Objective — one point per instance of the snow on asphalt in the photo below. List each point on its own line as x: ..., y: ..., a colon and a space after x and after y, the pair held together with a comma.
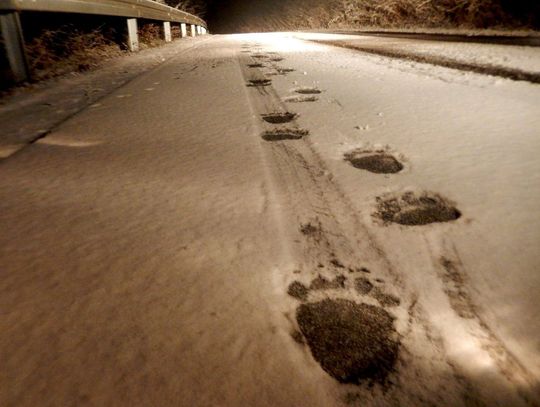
x: 271, y: 222
x: 524, y: 58
x: 469, y: 137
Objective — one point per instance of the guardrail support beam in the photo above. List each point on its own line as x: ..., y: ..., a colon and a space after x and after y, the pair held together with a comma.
x: 14, y: 44
x: 133, y: 36
x: 183, y: 30
x: 167, y: 31
x: 193, y: 30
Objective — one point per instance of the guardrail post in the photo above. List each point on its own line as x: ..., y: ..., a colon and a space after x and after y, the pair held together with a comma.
x: 14, y: 44
x: 133, y: 36
x: 193, y: 30
x: 183, y: 30
x: 203, y: 30
x: 167, y: 31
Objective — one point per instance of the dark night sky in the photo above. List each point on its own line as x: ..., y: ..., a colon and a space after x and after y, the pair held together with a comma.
x: 226, y: 16
x: 221, y: 13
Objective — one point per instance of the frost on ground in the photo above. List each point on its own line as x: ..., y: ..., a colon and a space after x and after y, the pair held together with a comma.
x: 155, y: 254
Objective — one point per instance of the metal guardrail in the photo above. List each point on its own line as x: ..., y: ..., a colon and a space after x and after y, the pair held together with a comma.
x: 121, y: 8
x: 12, y: 36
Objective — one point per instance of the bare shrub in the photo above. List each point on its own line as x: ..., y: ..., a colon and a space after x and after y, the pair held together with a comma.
x: 175, y: 31
x: 63, y: 50
x: 196, y: 7
x: 150, y: 35
x: 55, y: 52
x: 464, y: 13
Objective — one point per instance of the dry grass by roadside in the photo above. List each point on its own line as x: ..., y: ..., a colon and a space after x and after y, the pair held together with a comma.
x: 429, y: 13
x: 66, y: 49
x: 60, y: 51
x: 150, y: 35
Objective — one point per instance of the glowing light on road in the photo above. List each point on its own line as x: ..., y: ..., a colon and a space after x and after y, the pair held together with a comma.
x: 279, y: 42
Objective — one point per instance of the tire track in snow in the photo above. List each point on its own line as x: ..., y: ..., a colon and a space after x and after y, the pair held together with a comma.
x: 329, y: 242
x: 454, y: 282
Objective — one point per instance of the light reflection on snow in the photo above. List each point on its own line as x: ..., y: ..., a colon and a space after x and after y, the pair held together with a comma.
x: 7, y: 150
x: 67, y: 142
x: 281, y: 42
x: 325, y: 37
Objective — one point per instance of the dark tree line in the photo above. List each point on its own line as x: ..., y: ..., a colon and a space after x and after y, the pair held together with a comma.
x: 197, y: 7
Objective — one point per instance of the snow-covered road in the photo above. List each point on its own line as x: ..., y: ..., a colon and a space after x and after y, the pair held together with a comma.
x: 267, y: 221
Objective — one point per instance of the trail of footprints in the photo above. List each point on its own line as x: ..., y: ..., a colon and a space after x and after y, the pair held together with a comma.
x: 354, y: 342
